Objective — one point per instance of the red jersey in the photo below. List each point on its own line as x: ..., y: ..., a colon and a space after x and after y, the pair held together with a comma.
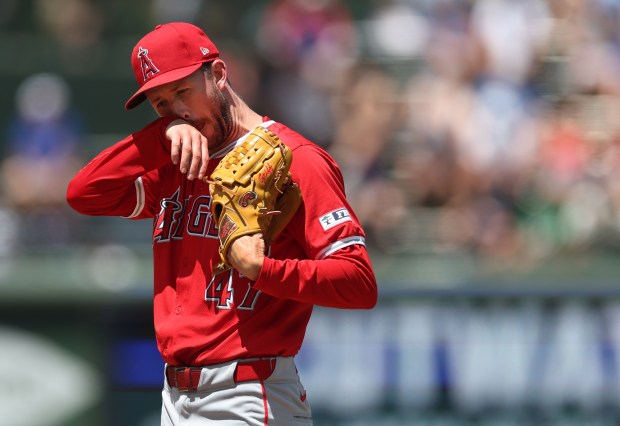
x: 200, y: 319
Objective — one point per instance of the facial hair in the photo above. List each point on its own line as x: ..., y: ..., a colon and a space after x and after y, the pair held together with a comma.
x: 223, y: 122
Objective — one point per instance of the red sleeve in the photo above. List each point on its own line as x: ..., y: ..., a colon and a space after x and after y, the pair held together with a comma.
x: 106, y: 186
x: 343, y: 280
x: 321, y: 257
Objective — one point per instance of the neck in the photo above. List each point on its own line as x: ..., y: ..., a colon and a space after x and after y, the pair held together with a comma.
x: 244, y: 119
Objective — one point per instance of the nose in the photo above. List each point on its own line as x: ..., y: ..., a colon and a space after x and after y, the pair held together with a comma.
x: 180, y: 110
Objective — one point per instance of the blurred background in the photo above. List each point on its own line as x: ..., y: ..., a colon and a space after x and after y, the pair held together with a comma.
x: 480, y: 144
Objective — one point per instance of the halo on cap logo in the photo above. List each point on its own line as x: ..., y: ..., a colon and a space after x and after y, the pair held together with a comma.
x: 204, y: 50
x: 146, y: 64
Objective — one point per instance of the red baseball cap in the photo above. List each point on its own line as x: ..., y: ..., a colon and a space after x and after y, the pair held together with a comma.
x: 170, y: 52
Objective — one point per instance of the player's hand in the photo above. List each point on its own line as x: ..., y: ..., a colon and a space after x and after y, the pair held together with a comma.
x: 247, y: 254
x: 189, y: 149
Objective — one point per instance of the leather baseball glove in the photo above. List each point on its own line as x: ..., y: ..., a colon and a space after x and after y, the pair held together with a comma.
x: 252, y: 191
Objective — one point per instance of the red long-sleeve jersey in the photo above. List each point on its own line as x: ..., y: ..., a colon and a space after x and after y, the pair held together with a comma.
x: 200, y: 319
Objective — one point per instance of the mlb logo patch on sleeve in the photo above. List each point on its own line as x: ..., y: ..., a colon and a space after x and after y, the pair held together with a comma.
x: 331, y: 219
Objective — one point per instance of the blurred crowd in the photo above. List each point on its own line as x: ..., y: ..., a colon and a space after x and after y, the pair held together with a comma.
x: 484, y: 127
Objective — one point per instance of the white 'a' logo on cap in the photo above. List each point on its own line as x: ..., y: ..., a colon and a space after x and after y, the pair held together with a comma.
x: 146, y: 64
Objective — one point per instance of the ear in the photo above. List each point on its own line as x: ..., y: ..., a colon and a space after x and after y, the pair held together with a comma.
x: 220, y: 73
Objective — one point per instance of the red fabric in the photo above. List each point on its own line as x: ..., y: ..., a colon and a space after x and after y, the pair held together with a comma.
x: 183, y: 378
x: 260, y: 369
x: 168, y: 53
x: 265, y: 403
x: 188, y: 378
x: 201, y: 319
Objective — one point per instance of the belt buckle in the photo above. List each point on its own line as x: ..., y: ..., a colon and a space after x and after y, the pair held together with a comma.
x: 186, y: 384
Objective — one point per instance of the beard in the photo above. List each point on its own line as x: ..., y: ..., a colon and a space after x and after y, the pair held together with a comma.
x: 222, y: 126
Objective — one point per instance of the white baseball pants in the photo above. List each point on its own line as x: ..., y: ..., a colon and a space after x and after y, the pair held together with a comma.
x: 223, y: 397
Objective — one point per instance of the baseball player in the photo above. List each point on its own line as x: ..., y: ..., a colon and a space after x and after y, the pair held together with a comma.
x: 228, y: 339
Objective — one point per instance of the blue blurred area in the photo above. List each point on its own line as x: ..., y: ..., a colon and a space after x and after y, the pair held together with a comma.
x: 136, y: 364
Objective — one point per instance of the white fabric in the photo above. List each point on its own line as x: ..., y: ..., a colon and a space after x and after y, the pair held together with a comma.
x: 139, y: 198
x: 340, y: 244
x: 219, y: 400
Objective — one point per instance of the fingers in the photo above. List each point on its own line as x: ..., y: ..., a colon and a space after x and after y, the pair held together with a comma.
x: 175, y: 147
x: 205, y: 159
x: 186, y: 154
x: 198, y: 157
x: 247, y: 255
x: 189, y: 149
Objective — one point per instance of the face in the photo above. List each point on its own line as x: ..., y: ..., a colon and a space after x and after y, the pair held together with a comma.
x: 198, y: 100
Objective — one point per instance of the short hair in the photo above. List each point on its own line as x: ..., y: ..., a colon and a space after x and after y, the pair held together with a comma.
x: 206, y: 67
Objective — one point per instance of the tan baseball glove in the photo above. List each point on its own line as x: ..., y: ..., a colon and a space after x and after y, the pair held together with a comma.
x: 252, y: 191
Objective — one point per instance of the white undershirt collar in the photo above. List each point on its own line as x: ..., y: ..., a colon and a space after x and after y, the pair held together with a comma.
x: 222, y: 152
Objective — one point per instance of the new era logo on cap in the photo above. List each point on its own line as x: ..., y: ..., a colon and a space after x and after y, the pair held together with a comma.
x: 168, y: 53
